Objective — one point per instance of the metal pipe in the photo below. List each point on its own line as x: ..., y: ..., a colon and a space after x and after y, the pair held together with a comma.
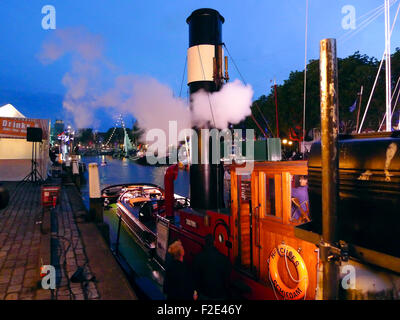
x: 330, y: 159
x: 118, y: 236
x: 169, y: 178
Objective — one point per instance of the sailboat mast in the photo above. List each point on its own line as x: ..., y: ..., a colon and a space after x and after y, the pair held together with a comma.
x: 276, y: 110
x: 388, y: 68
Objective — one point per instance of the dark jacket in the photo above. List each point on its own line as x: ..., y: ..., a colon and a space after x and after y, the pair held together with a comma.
x: 212, y: 271
x: 178, y: 282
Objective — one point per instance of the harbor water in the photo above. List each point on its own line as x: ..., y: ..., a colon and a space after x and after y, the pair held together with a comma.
x: 146, y: 273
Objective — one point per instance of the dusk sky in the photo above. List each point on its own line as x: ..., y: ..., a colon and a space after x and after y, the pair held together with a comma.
x: 150, y: 39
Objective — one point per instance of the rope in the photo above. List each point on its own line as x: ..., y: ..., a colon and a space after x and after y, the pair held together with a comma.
x: 183, y: 77
x: 361, y: 26
x: 373, y: 14
x: 287, y: 268
x: 255, y: 103
x: 270, y: 280
x: 394, y: 106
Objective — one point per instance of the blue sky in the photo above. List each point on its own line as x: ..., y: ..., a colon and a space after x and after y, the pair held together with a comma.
x: 150, y: 38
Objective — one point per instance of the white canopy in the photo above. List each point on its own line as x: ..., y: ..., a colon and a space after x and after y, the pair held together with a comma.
x: 9, y: 111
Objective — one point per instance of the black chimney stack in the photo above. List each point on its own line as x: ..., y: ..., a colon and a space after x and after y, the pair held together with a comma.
x: 205, y: 61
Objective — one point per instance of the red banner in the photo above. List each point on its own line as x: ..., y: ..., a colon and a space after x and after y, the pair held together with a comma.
x: 16, y: 127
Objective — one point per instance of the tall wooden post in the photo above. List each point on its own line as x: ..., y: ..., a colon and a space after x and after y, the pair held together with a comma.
x: 330, y: 161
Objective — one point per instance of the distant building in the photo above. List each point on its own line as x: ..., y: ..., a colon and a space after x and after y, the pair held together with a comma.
x: 57, y: 129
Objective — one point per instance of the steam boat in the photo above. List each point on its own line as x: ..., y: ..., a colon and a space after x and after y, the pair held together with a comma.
x: 275, y: 255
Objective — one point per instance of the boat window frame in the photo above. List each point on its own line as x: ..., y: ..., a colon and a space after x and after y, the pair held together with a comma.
x: 262, y: 180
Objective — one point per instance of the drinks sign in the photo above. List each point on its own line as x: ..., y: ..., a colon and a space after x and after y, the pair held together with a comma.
x: 16, y: 127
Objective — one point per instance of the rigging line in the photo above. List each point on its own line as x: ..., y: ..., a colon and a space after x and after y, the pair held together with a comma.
x: 365, y: 23
x: 361, y: 21
x: 266, y: 122
x: 377, y: 75
x: 244, y: 81
x: 208, y: 93
x: 183, y: 77
x: 305, y: 76
x: 394, y: 22
x: 371, y: 94
x: 371, y: 11
x: 234, y: 63
x: 379, y: 10
x: 258, y: 125
x: 394, y: 106
x: 397, y: 99
x: 361, y: 27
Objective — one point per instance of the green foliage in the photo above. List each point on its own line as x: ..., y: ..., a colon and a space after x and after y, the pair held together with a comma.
x: 354, y: 71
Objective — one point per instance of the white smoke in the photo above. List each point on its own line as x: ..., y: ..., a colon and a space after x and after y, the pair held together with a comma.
x: 229, y: 105
x: 92, y: 85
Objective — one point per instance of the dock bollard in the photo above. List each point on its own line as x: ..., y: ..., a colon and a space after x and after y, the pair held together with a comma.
x: 75, y: 173
x: 95, y: 201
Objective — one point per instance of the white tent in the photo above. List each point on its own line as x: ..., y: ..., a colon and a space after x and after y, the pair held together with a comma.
x: 15, y: 150
x: 9, y: 111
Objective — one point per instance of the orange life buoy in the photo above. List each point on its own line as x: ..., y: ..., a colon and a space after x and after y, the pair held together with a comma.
x: 292, y: 255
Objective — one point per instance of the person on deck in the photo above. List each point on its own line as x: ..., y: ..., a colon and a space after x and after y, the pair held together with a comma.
x: 300, y: 204
x: 211, y: 270
x: 178, y: 281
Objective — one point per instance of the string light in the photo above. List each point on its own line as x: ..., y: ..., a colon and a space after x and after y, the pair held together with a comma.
x: 115, y: 127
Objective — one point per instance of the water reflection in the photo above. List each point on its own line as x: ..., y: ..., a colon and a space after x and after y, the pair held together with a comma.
x: 116, y: 171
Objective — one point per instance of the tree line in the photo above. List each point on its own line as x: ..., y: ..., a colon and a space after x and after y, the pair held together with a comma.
x: 354, y: 71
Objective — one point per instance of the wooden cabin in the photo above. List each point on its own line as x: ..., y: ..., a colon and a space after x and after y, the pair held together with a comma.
x: 261, y: 209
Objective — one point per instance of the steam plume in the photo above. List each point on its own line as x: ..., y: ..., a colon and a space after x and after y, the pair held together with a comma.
x: 92, y: 85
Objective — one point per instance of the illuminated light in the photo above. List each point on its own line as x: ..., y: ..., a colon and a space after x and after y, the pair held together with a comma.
x: 290, y: 143
x: 284, y: 141
x: 42, y: 273
x: 156, y: 274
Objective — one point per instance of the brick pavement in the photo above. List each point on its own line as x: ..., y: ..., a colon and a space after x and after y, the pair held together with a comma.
x: 68, y: 253
x: 20, y: 249
x: 20, y: 243
x: 30, y: 238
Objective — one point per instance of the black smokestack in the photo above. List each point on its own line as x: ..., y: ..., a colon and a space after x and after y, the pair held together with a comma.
x: 205, y: 61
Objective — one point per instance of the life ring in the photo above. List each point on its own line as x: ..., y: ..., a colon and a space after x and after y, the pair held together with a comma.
x: 292, y: 255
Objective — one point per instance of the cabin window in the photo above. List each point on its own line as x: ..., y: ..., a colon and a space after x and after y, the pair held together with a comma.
x: 270, y: 196
x: 300, y: 207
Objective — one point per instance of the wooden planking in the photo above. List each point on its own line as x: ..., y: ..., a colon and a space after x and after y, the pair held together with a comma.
x: 286, y: 201
x: 234, y: 215
x: 245, y: 234
x: 270, y: 231
x: 271, y: 239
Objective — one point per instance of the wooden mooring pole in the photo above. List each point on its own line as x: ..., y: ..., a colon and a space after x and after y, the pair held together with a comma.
x: 330, y: 162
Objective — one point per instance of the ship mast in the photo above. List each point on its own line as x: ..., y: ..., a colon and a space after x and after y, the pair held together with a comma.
x: 388, y: 68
